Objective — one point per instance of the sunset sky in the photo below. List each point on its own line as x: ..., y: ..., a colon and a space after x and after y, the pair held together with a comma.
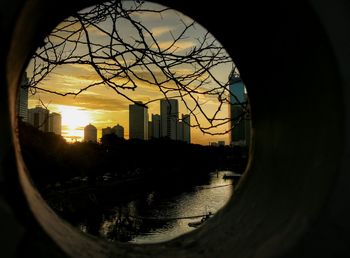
x: 103, y: 107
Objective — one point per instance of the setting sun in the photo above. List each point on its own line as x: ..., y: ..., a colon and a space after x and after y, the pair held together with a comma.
x: 100, y: 93
x: 124, y: 97
x: 73, y: 119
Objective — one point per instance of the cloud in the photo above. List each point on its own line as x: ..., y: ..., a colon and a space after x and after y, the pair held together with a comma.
x: 73, y: 70
x: 179, y: 46
x: 158, y: 31
x: 80, y: 128
x: 83, y: 101
x: 101, y: 103
x: 105, y: 106
x: 95, y: 32
x: 148, y: 17
x: 65, y: 128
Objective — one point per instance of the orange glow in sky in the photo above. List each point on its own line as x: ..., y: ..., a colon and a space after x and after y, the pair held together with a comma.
x: 101, y: 106
x: 73, y: 119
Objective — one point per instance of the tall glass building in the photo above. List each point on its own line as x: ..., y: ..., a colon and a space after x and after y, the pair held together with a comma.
x: 138, y: 122
x: 186, y: 124
x: 239, y: 123
x: 237, y: 89
x: 155, y: 126
x: 55, y: 123
x: 22, y: 100
x: 169, y: 116
x: 39, y: 118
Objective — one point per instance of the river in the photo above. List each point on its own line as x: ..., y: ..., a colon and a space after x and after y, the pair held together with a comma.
x: 156, y: 214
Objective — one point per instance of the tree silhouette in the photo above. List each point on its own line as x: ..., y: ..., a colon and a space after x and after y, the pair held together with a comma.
x: 122, y: 61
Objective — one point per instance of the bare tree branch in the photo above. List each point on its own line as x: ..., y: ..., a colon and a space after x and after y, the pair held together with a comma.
x: 123, y: 62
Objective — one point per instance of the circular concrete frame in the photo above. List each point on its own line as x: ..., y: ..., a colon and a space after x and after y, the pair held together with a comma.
x: 293, y: 202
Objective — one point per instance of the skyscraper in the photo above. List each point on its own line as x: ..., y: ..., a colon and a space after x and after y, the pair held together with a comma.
x: 237, y: 121
x: 179, y: 131
x: 55, y: 123
x: 186, y: 127
x: 237, y: 89
x: 238, y: 116
x: 138, y: 121
x: 248, y: 123
x: 22, y: 99
x: 39, y: 118
x: 155, y: 126
x: 169, y: 110
x: 150, y: 131
x: 90, y: 133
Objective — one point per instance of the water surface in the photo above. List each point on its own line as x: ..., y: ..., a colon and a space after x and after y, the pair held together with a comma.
x: 157, y: 213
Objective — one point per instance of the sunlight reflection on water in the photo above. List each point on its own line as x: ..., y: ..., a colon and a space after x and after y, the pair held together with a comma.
x: 159, y: 214
x: 203, y: 199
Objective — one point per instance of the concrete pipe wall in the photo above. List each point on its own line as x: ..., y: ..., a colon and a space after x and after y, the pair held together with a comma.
x: 294, y: 57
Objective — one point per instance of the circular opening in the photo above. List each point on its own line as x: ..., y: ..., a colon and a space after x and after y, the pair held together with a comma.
x: 289, y: 183
x: 138, y: 124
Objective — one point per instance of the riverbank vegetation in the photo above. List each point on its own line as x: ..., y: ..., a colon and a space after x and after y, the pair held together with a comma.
x: 104, y: 188
x: 54, y: 163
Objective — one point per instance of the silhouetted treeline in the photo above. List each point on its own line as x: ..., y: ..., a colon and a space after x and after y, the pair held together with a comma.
x: 165, y: 157
x: 51, y: 159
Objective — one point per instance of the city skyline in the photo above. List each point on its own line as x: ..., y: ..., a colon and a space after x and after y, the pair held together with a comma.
x: 44, y: 120
x: 168, y: 122
x: 102, y: 106
x: 141, y: 127
x: 74, y: 120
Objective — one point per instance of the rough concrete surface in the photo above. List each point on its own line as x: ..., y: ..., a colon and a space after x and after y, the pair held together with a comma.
x: 294, y: 57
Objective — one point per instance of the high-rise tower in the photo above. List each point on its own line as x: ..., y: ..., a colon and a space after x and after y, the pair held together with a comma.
x: 138, y: 121
x: 169, y: 112
x: 55, y: 123
x: 238, y: 112
x: 22, y: 99
x: 39, y: 118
